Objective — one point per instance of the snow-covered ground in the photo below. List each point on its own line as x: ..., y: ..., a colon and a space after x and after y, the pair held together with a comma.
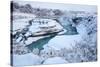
x: 26, y: 59
x: 55, y: 60
x: 19, y: 24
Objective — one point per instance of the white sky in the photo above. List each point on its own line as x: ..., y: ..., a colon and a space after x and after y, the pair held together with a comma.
x: 68, y: 7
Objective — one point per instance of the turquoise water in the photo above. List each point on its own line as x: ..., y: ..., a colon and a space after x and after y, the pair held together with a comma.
x: 70, y: 30
x: 39, y: 43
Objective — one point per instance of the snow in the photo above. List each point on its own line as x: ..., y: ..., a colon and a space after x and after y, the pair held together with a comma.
x: 64, y: 31
x: 29, y: 40
x: 19, y: 39
x: 27, y: 59
x: 55, y: 60
x: 33, y: 39
x: 34, y: 28
x: 58, y: 26
x: 81, y: 29
x: 64, y: 41
x: 19, y: 24
x: 50, y: 22
x: 28, y: 33
x: 23, y: 14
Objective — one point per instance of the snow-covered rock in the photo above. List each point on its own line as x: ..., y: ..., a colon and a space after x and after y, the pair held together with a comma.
x: 34, y: 28
x: 43, y: 26
x: 55, y: 60
x: 19, y: 39
x: 29, y: 40
x: 28, y: 34
x: 26, y: 59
